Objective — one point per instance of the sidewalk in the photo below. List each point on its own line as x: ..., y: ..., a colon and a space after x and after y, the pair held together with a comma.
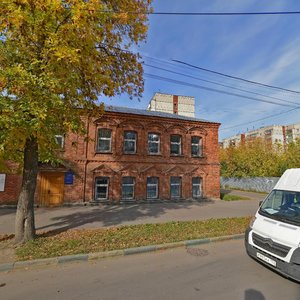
x: 65, y: 218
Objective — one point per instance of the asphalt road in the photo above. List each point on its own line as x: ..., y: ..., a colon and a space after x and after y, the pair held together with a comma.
x: 217, y: 271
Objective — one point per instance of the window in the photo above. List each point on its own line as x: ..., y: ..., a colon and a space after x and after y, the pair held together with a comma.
x: 2, y: 182
x: 175, y: 187
x: 104, y: 140
x: 130, y: 142
x: 175, y: 144
x: 282, y: 206
x: 59, y: 140
x: 152, y: 187
x: 153, y: 143
x: 101, y: 192
x: 196, y: 186
x: 196, y: 145
x: 128, y: 187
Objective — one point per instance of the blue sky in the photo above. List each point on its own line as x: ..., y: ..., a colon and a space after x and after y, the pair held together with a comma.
x: 264, y: 48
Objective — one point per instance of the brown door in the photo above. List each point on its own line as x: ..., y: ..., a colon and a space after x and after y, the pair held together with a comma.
x: 51, y: 190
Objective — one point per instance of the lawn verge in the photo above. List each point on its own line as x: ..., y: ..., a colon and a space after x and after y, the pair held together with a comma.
x: 74, y: 242
x: 230, y: 197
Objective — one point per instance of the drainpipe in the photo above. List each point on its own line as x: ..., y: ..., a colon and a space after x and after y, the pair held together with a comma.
x: 86, y: 158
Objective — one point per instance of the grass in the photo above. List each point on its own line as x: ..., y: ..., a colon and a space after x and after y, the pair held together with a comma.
x: 226, y: 187
x: 88, y: 241
x: 229, y: 197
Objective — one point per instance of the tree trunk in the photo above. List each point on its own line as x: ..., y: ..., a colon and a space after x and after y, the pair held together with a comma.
x: 24, y: 225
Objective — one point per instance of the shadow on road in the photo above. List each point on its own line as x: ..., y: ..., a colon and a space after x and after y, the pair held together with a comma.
x: 7, y: 211
x: 252, y: 294
x: 114, y: 215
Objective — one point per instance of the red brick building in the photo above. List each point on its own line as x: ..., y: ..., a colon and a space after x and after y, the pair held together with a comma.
x: 132, y: 155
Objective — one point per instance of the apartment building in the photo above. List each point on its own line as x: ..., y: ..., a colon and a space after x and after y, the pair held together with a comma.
x: 173, y: 104
x: 292, y: 132
x: 275, y: 134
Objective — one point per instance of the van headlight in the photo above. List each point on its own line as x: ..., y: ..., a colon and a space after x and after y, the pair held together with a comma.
x: 252, y: 222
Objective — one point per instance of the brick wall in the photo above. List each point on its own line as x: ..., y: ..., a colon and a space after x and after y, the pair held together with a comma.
x: 141, y: 165
x: 11, y: 189
x: 87, y: 164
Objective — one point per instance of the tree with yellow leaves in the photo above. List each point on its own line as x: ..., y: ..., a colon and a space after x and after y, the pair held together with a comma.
x: 258, y: 158
x: 56, y: 58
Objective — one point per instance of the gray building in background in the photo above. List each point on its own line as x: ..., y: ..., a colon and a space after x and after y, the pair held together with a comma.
x: 275, y: 134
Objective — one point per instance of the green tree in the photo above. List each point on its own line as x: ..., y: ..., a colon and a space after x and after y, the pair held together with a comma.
x: 291, y: 157
x: 56, y: 58
x: 251, y: 158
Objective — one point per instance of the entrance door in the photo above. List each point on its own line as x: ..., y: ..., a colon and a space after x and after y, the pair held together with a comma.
x: 51, y: 190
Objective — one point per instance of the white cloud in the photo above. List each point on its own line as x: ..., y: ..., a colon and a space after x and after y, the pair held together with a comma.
x: 278, y: 66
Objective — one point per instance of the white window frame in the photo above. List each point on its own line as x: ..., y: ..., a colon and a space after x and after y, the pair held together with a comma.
x: 176, y: 143
x: 2, y: 182
x: 62, y: 143
x: 154, y: 142
x: 156, y: 185
x: 130, y: 140
x: 198, y: 145
x: 199, y: 185
x: 132, y: 185
x: 101, y: 185
x: 176, y: 184
x: 104, y: 139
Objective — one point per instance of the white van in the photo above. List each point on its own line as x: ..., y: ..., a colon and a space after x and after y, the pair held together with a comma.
x: 274, y: 234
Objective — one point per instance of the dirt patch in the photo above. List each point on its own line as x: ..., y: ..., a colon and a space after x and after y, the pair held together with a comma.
x: 7, y: 251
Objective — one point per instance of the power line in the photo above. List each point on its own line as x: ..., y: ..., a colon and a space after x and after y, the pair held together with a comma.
x: 206, y: 13
x: 217, y: 83
x: 213, y: 90
x: 233, y: 94
x: 261, y: 119
x: 166, y: 13
x: 214, y: 72
x: 235, y: 77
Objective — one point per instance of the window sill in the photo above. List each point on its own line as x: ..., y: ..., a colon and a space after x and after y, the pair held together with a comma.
x: 127, y: 201
x: 154, y: 154
x: 176, y: 198
x: 104, y: 152
x: 176, y: 155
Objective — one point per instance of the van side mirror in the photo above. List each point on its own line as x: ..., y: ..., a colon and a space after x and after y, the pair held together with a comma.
x: 260, y: 203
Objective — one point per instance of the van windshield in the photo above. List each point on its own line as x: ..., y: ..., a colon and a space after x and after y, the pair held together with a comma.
x: 283, y: 206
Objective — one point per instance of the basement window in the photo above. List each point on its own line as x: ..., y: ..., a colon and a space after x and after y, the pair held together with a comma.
x: 175, y: 183
x: 152, y: 187
x: 101, y: 188
x: 196, y: 186
x: 128, y: 187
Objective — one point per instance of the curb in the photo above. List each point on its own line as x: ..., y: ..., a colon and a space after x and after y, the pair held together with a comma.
x: 7, y: 267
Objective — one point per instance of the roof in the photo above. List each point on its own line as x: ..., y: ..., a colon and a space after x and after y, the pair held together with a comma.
x: 289, y: 181
x: 144, y: 112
